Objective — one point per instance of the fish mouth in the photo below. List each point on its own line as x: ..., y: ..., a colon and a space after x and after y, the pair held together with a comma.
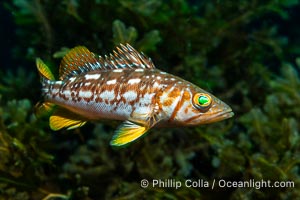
x: 219, y: 116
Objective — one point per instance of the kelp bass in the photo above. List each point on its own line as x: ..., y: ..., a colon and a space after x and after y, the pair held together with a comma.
x: 123, y: 86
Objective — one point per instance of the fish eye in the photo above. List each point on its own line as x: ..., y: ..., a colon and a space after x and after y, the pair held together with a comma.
x: 202, y: 100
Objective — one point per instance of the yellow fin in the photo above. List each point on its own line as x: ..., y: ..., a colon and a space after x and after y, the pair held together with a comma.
x: 80, y: 60
x: 63, y: 118
x: 43, y: 108
x: 77, y: 60
x: 44, y: 70
x: 127, y: 132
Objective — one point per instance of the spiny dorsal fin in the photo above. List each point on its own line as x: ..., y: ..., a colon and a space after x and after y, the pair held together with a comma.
x: 81, y: 60
x: 78, y: 60
x: 126, y: 57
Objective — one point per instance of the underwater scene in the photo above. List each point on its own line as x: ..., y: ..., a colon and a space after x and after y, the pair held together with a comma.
x: 149, y: 99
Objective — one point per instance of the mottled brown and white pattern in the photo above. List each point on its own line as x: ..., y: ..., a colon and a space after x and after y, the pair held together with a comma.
x: 126, y: 86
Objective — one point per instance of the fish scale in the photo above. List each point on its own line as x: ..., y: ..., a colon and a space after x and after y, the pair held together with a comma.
x: 82, y: 99
x: 123, y: 86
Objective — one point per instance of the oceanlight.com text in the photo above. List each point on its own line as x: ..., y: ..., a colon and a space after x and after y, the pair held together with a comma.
x: 221, y: 183
x: 255, y: 184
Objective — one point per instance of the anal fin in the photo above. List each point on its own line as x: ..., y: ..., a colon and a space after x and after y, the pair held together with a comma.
x: 62, y: 118
x: 128, y: 132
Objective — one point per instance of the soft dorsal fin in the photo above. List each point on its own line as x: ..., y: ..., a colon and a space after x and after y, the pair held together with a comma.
x: 78, y: 60
x: 81, y: 60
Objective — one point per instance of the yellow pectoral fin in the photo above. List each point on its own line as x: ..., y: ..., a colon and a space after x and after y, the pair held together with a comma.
x: 62, y: 118
x: 128, y: 132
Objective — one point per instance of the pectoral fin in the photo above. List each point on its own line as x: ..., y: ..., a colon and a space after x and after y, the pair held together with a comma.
x: 128, y: 132
x: 62, y: 118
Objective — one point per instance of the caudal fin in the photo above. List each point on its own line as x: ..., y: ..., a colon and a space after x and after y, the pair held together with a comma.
x: 44, y: 70
x: 46, y: 76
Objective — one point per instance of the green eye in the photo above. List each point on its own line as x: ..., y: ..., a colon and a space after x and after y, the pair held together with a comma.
x: 202, y: 100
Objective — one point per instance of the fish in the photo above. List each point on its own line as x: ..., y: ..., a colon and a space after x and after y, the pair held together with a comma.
x: 124, y: 85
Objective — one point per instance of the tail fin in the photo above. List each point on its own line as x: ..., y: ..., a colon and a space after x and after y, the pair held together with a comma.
x: 43, y: 109
x: 44, y: 71
x: 46, y: 75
